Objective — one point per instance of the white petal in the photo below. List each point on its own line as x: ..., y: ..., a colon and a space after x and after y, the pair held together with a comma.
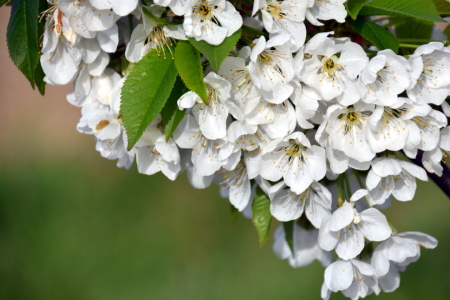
x: 342, y: 217
x: 351, y: 242
x: 339, y: 275
x: 327, y: 239
x: 374, y: 225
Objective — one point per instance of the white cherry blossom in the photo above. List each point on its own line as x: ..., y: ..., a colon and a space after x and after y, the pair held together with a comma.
x: 295, y: 160
x: 211, y: 20
x: 236, y: 185
x: 347, y: 129
x: 213, y: 116
x: 154, y: 153
x: 150, y: 35
x: 384, y: 78
x: 314, y: 202
x: 284, y: 17
x: 271, y: 68
x: 305, y: 246
x: 346, y: 229
x: 354, y: 278
x: 332, y: 68
x: 392, y: 176
x: 326, y: 10
x: 430, y: 74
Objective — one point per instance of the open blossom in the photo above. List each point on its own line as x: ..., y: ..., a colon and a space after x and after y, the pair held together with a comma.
x: 430, y: 75
x: 236, y: 185
x: 347, y: 129
x: 384, y: 78
x: 332, y: 68
x: 314, y: 202
x: 346, y: 229
x: 154, y: 153
x: 356, y: 279
x: 400, y: 248
x: 305, y: 247
x: 205, y: 152
x: 212, y: 117
x: 87, y: 19
x: 60, y: 58
x: 284, y: 17
x: 392, y: 176
x: 151, y: 35
x: 295, y: 160
x: 105, y: 123
x: 243, y: 90
x: 432, y: 160
x: 271, y: 68
x: 211, y: 20
x: 391, y: 127
x: 326, y: 10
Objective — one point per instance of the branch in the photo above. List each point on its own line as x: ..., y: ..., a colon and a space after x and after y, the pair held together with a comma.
x: 443, y: 182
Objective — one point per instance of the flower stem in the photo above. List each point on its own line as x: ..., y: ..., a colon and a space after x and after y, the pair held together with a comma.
x: 409, y: 45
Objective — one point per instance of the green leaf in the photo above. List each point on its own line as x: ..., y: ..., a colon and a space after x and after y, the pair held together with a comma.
x: 189, y: 66
x: 442, y: 6
x: 421, y: 9
x: 261, y: 216
x: 289, y: 234
x: 216, y: 54
x: 158, y: 20
x: 39, y: 79
x: 447, y: 31
x: 410, y: 28
x: 22, y: 37
x: 145, y: 92
x: 376, y: 34
x: 38, y: 72
x: 354, y: 6
x: 3, y: 2
x: 171, y: 114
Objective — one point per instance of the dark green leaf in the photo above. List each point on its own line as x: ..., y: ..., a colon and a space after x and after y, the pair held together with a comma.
x: 158, y: 20
x: 442, y: 6
x: 376, y: 34
x: 38, y: 72
x: 261, y: 215
x: 410, y: 28
x: 289, y: 234
x: 39, y: 79
x: 171, y: 114
x: 447, y: 31
x: 145, y: 92
x: 189, y: 66
x: 354, y: 6
x: 216, y: 54
x: 421, y: 9
x: 3, y: 2
x: 22, y: 37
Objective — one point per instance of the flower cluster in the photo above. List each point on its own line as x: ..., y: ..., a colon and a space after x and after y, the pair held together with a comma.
x: 283, y: 115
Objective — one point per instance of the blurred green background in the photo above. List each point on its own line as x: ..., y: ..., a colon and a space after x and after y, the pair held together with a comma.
x: 74, y: 226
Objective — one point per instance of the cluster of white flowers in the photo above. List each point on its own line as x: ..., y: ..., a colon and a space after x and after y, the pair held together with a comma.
x: 283, y: 115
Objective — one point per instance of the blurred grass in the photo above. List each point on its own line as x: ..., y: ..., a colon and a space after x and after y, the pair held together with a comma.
x: 73, y: 230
